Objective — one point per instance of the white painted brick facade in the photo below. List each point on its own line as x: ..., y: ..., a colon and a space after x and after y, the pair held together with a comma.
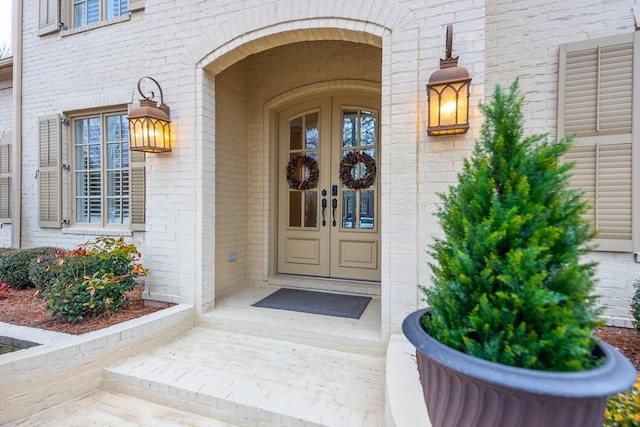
x: 525, y: 42
x: 212, y: 195
x: 6, y: 126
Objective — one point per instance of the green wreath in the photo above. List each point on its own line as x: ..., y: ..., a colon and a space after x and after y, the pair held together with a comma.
x: 349, y: 162
x: 312, y: 167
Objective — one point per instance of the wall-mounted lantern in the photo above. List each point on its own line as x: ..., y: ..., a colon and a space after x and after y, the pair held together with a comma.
x: 448, y: 96
x: 149, y: 124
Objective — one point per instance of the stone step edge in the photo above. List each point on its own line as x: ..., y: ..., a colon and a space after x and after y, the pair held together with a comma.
x: 346, y: 343
x: 186, y: 399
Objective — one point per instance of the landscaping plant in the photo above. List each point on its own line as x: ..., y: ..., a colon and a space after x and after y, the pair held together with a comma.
x: 91, y: 279
x: 623, y: 410
x: 5, y: 290
x: 509, y: 286
x: 44, y: 271
x: 635, y: 306
x: 14, y: 265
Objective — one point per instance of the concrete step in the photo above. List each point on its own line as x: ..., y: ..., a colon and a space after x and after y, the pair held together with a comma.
x: 104, y: 408
x: 235, y: 313
x: 249, y: 380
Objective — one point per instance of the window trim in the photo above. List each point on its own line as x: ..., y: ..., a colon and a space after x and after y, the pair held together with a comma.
x: 104, y: 225
x: 101, y: 13
x: 56, y: 15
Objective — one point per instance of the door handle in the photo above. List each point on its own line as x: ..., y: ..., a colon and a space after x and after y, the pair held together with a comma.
x: 334, y: 205
x: 324, y: 206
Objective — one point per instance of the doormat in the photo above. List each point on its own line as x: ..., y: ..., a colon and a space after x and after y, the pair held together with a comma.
x: 313, y: 302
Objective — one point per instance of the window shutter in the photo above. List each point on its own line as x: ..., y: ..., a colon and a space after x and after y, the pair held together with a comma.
x: 598, y: 90
x: 137, y: 191
x: 603, y: 172
x: 48, y: 17
x: 595, y: 102
x: 49, y: 172
x: 5, y: 179
x: 136, y: 5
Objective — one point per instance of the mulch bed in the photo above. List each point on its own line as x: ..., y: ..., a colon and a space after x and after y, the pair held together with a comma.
x: 25, y: 308
x: 624, y: 339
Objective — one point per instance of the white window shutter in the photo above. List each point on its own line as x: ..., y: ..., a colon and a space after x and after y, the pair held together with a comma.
x: 6, y: 178
x: 603, y: 172
x: 595, y: 103
x: 598, y: 89
x: 137, y: 190
x: 49, y: 172
x: 136, y: 5
x: 48, y: 16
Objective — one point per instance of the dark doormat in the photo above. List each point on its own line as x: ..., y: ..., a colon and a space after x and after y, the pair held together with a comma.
x: 316, y: 303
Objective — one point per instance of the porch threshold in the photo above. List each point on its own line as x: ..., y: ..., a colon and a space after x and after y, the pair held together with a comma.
x: 234, y: 313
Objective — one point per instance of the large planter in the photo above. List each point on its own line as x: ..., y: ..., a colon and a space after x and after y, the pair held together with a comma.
x: 464, y: 391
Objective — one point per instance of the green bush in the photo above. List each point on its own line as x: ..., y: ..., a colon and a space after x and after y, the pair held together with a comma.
x: 509, y: 286
x: 42, y: 269
x: 635, y: 306
x: 14, y: 266
x: 4, y: 251
x: 91, y: 279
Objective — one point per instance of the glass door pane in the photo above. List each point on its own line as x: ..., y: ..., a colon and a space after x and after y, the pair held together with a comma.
x: 302, y: 170
x: 358, y: 168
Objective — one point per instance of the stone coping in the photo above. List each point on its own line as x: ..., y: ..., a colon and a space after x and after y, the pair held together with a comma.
x: 405, y: 402
x: 68, y: 366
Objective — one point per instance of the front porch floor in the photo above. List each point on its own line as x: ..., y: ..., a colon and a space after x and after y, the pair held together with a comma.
x: 234, y: 313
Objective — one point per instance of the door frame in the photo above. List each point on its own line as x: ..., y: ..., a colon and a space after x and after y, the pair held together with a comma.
x: 273, y: 108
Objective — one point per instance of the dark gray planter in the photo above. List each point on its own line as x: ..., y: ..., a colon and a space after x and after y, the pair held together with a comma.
x: 464, y: 391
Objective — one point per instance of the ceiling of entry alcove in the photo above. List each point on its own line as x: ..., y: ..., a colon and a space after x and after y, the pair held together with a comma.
x: 277, y: 70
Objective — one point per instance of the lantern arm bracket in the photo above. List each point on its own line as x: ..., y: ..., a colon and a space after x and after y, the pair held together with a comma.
x: 164, y: 107
x: 449, y: 61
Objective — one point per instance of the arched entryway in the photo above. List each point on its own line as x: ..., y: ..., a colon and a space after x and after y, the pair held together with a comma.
x: 245, y: 81
x: 324, y: 86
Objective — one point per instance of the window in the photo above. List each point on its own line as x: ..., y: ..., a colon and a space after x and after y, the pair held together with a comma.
x: 56, y: 14
x: 106, y: 181
x: 596, y: 98
x: 90, y: 11
x: 101, y: 169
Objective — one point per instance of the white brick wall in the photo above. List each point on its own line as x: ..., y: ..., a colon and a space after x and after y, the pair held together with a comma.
x: 211, y: 195
x: 233, y: 207
x: 524, y: 41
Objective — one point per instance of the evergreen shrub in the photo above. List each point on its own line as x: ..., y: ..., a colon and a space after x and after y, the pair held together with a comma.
x: 509, y: 285
x: 14, y: 266
x: 43, y: 270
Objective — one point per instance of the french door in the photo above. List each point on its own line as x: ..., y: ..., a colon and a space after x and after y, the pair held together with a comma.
x: 328, y: 188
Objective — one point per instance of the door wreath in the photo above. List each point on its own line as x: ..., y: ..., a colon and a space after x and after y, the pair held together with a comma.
x: 349, y: 162
x: 312, y: 167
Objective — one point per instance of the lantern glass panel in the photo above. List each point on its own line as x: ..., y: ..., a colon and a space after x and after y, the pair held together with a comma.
x: 434, y: 106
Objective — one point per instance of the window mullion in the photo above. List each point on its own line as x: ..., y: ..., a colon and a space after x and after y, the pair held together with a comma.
x: 103, y: 168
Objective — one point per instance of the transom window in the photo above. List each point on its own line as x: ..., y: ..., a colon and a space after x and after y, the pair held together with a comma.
x: 89, y: 11
x: 101, y: 170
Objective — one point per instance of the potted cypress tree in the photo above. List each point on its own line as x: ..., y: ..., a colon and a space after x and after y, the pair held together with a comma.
x: 506, y: 339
